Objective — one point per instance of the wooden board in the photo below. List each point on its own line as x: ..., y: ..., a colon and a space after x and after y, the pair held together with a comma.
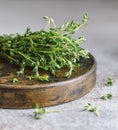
x: 25, y: 93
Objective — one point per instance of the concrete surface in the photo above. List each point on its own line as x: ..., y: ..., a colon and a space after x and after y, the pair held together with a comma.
x: 102, y: 40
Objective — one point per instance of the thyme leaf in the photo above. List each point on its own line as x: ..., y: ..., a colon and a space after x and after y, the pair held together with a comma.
x: 14, y: 80
x: 110, y: 81
x: 38, y: 112
x: 107, y: 96
x: 89, y: 107
x: 41, y: 111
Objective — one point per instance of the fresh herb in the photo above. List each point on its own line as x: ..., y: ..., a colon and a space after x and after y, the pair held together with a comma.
x: 42, y: 78
x: 14, y: 80
x: 110, y: 81
x: 107, y: 96
x: 91, y: 108
x: 41, y: 111
x: 38, y: 112
x: 47, y: 50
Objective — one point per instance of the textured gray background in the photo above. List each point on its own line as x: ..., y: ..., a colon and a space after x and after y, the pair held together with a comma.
x: 102, y: 41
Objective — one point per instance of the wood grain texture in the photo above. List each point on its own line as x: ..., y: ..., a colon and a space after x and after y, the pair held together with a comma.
x: 26, y: 94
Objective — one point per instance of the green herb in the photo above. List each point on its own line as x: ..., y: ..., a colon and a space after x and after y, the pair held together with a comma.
x: 14, y: 80
x: 108, y: 96
x: 42, y: 78
x: 91, y: 108
x: 47, y: 49
x: 110, y: 81
x: 41, y: 111
x: 38, y: 112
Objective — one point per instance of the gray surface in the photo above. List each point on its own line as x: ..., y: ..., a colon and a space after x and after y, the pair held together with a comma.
x: 102, y: 40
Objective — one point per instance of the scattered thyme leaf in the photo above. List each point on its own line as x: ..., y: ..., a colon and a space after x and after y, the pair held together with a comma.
x: 41, y: 111
x: 14, y: 80
x: 91, y: 108
x: 38, y: 112
x: 110, y: 81
x: 107, y: 96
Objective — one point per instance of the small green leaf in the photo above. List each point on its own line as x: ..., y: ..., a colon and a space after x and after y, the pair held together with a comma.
x: 110, y: 81
x: 85, y: 18
x: 14, y: 80
x: 38, y: 112
x: 41, y: 111
x: 45, y: 17
x: 91, y: 108
x: 107, y: 96
x: 52, y: 21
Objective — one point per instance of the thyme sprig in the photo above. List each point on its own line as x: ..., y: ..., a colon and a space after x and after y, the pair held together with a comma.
x: 38, y: 112
x: 110, y: 81
x: 89, y: 107
x: 107, y: 96
x: 41, y: 111
x: 48, y: 50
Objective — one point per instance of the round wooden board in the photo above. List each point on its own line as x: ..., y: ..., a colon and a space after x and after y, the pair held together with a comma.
x: 25, y: 93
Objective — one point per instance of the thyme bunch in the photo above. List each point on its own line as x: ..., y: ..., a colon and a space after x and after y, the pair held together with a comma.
x: 48, y: 50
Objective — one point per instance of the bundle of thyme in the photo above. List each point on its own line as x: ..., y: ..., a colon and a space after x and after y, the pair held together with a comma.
x: 48, y: 50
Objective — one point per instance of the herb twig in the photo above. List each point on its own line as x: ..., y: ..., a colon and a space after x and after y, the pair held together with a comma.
x: 91, y: 108
x: 38, y: 112
x: 110, y: 81
x: 107, y: 96
x: 41, y: 111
